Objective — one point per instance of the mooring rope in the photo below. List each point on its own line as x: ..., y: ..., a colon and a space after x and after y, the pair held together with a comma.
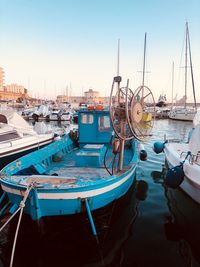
x: 21, y: 208
x: 30, y: 186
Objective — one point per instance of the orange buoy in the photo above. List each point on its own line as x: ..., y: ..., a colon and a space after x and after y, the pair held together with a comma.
x: 91, y: 108
x: 99, y: 107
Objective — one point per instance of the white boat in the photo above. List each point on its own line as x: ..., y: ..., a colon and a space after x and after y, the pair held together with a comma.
x: 186, y: 113
x: 55, y: 115
x: 161, y: 101
x: 66, y: 115
x: 182, y: 114
x: 184, y: 161
x: 17, y: 137
x: 42, y: 113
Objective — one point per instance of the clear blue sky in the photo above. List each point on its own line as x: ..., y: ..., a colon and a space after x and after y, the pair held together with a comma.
x: 46, y: 45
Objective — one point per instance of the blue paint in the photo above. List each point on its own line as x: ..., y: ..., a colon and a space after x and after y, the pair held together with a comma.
x: 2, y: 197
x: 158, y: 147
x: 14, y: 207
x: 90, y: 218
x: 4, y: 208
x: 175, y: 176
x: 94, y: 132
x: 74, y: 171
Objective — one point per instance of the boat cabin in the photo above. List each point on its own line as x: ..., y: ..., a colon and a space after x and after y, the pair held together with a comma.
x: 94, y: 127
x: 95, y: 133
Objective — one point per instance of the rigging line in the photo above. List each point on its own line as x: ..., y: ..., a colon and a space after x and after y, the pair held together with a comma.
x: 186, y: 62
x: 191, y: 68
x: 181, y: 59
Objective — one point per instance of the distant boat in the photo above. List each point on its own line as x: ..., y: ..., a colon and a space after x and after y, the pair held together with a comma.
x: 55, y: 114
x: 42, y: 113
x: 18, y: 138
x: 162, y: 101
x: 186, y: 113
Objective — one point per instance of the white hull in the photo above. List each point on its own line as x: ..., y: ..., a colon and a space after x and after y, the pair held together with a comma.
x: 65, y: 117
x: 191, y: 182
x: 24, y: 144
x: 182, y: 115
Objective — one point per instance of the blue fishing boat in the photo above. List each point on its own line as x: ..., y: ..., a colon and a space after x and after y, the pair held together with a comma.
x: 85, y: 170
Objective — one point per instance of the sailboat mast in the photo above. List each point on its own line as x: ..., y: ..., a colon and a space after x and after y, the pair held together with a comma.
x: 191, y: 69
x: 172, y: 84
x: 186, y: 50
x: 144, y: 60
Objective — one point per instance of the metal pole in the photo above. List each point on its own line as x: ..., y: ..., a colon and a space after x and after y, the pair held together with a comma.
x: 122, y: 143
x: 144, y: 60
x: 191, y: 69
x: 186, y: 48
x: 118, y: 56
x: 91, y: 220
x: 172, y: 83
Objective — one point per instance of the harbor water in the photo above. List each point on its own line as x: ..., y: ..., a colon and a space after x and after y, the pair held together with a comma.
x: 151, y: 226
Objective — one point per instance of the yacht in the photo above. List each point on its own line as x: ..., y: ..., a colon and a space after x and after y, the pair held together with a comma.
x: 18, y: 138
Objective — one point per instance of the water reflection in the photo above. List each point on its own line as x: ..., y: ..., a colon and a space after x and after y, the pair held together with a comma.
x: 68, y: 241
x: 182, y: 225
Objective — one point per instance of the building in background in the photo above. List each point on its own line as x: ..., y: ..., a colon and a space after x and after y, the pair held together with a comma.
x: 12, y: 91
x: 1, y: 79
x: 90, y: 97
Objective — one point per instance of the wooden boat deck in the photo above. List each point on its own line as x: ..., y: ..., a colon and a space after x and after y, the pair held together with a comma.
x: 66, y: 170
x: 68, y: 167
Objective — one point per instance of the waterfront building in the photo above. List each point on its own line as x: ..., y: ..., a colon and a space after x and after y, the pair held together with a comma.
x: 12, y: 91
x: 1, y: 79
x: 90, y: 97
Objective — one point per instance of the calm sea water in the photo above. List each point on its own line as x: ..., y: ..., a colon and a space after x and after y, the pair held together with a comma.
x: 150, y: 226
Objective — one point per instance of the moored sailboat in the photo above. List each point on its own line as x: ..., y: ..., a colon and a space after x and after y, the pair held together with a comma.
x: 186, y: 113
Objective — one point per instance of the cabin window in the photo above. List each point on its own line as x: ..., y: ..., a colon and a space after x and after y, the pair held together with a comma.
x: 87, y: 118
x: 104, y: 124
x: 9, y: 136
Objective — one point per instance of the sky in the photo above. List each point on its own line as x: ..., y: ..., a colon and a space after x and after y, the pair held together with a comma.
x: 50, y: 45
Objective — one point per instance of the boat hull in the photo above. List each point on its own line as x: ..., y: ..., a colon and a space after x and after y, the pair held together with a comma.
x: 44, y: 202
x: 190, y: 184
x: 14, y: 153
x: 182, y: 115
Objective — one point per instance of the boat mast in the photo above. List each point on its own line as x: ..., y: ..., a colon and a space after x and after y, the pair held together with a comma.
x: 144, y: 60
x: 186, y: 50
x: 118, y: 56
x: 191, y: 69
x: 172, y: 84
x: 122, y: 123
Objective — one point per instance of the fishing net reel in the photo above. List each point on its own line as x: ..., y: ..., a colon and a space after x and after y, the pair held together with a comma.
x: 118, y: 102
x: 142, y: 112
x: 128, y: 112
